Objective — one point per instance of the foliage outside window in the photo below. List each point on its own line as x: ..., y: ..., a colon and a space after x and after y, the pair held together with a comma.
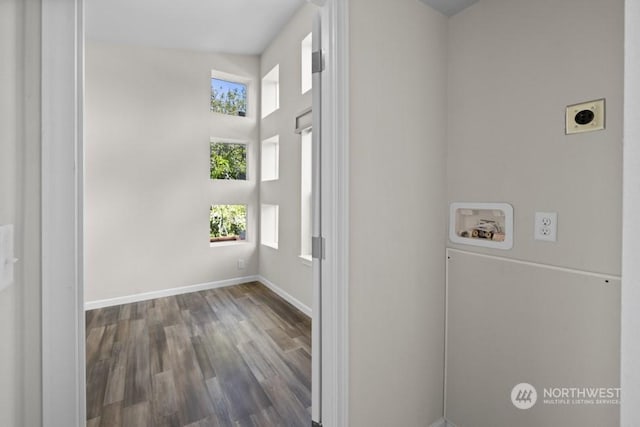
x: 227, y: 223
x: 228, y: 97
x: 228, y: 161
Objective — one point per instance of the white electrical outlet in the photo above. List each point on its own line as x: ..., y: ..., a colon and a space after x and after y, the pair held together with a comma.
x: 546, y: 226
x: 241, y: 264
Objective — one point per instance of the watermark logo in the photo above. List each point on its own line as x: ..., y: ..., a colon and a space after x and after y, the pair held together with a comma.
x: 524, y: 396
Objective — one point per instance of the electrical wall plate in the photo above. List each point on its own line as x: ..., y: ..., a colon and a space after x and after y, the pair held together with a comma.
x: 585, y: 117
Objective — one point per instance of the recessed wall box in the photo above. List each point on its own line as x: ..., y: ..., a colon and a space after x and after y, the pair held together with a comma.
x: 585, y: 117
x: 481, y: 224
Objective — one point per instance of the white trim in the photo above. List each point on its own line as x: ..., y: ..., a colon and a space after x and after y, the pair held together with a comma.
x: 145, y: 296
x: 335, y: 214
x: 446, y: 332
x: 630, y: 307
x: 63, y: 363
x: 535, y: 264
x: 285, y: 295
x: 128, y: 299
x: 62, y: 300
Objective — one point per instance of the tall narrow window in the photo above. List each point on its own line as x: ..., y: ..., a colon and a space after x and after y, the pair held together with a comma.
x: 306, y: 203
x: 228, y: 160
x: 227, y: 223
x: 269, y: 225
x: 271, y: 91
x: 305, y: 63
x: 270, y: 158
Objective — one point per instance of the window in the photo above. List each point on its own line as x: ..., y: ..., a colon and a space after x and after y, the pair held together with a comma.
x: 228, y: 160
x: 228, y: 97
x: 227, y: 223
x: 269, y: 225
x: 270, y: 158
x: 271, y: 91
x: 305, y: 64
x: 306, y: 202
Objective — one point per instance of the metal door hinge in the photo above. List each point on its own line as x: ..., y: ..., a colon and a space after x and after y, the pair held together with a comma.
x: 317, y: 61
x: 317, y: 247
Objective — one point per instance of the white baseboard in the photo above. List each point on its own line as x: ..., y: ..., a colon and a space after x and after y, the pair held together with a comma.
x: 285, y: 295
x: 128, y: 299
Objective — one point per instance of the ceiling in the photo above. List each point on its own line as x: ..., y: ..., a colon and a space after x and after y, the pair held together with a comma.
x: 449, y: 7
x: 231, y: 26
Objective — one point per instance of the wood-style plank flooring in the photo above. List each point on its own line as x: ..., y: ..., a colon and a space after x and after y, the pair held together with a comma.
x: 236, y: 356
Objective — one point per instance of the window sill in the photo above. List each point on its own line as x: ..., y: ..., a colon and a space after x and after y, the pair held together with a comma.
x: 271, y: 245
x: 227, y: 243
x: 306, y: 260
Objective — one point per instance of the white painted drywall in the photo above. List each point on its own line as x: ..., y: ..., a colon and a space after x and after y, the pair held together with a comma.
x: 513, y: 67
x: 630, y: 369
x: 528, y: 323
x: 282, y: 266
x: 397, y: 220
x: 148, y: 192
x: 10, y: 299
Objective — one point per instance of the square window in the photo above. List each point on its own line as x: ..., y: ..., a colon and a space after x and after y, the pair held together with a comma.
x: 271, y: 91
x: 227, y: 223
x: 228, y: 160
x: 269, y: 226
x: 228, y: 97
x: 270, y: 158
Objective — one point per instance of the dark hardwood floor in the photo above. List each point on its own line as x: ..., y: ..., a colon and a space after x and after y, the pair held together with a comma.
x: 236, y: 356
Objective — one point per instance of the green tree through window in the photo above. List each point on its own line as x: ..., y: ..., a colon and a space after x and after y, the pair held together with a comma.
x: 228, y: 161
x: 228, y: 97
x: 227, y: 222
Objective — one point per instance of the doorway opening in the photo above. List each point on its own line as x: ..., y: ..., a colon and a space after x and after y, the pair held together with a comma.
x: 184, y: 327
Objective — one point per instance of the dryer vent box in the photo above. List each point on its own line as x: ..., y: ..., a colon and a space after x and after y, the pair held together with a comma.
x: 585, y: 117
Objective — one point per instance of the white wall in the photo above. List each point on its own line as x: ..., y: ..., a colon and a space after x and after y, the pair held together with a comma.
x: 513, y: 67
x: 148, y: 192
x: 282, y: 266
x: 630, y: 413
x: 20, y: 334
x: 397, y: 217
x: 10, y: 300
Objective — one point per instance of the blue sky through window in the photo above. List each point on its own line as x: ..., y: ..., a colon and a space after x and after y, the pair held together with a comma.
x: 228, y: 97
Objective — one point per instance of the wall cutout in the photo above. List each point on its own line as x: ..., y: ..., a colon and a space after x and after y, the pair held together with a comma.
x: 270, y: 158
x: 271, y: 91
x: 482, y: 224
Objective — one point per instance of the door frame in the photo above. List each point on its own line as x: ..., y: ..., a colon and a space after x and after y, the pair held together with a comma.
x: 630, y: 299
x: 63, y: 328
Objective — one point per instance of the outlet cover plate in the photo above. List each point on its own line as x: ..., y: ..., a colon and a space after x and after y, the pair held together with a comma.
x: 585, y: 117
x: 546, y: 226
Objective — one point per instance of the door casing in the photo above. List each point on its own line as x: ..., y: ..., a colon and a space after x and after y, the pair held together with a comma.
x: 63, y: 343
